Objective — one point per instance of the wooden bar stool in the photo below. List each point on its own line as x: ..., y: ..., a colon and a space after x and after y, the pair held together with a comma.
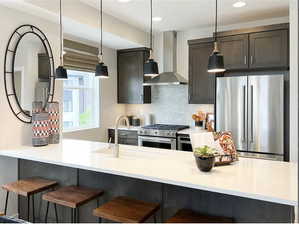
x: 72, y: 197
x: 126, y: 210
x: 189, y: 216
x: 28, y: 188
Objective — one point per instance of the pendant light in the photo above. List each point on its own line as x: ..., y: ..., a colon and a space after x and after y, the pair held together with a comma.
x: 216, y: 61
x: 151, y: 67
x: 101, y: 68
x: 61, y: 73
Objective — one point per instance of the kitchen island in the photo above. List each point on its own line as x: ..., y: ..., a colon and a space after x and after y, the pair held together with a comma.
x: 251, y: 190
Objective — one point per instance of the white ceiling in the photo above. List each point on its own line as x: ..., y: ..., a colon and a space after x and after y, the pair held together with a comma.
x: 186, y: 14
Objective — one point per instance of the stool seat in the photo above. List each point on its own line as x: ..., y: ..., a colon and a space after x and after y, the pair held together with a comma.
x: 126, y: 210
x: 30, y: 186
x: 189, y: 216
x: 72, y: 196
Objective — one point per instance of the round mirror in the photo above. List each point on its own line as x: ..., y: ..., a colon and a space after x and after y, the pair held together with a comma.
x: 29, y: 71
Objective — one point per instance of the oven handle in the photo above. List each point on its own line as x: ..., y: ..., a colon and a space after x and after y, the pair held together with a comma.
x: 156, y: 139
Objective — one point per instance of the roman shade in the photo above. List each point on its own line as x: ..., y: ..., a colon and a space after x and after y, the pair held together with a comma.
x: 80, y: 56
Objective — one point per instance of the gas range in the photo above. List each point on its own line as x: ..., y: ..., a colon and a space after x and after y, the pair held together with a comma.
x: 161, y: 130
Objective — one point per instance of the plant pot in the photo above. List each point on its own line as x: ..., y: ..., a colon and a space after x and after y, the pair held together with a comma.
x: 205, y: 164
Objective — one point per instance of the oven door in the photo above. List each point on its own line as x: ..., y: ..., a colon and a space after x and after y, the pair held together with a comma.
x: 157, y: 142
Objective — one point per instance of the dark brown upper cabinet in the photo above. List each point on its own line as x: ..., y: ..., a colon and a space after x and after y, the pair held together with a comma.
x: 130, y: 76
x: 269, y: 49
x: 201, y: 83
x: 235, y: 51
x: 259, y: 48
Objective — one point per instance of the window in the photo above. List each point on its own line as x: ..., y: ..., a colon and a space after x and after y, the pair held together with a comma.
x: 80, y: 101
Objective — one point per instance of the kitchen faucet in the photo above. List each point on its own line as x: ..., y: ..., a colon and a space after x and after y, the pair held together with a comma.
x: 117, y: 122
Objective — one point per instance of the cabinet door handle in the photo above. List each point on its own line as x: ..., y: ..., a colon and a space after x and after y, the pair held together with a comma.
x: 245, y: 60
x: 251, y: 60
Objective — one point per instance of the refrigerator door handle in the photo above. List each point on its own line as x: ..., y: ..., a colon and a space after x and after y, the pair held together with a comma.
x: 244, y: 114
x: 251, y: 119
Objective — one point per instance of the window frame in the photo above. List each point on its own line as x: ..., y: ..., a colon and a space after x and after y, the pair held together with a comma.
x: 95, y: 88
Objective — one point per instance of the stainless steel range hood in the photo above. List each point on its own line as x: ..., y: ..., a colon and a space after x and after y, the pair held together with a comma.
x: 170, y: 76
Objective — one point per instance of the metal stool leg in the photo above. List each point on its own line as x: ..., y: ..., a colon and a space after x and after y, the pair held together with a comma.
x: 6, y: 202
x: 56, y: 215
x: 72, y: 215
x: 46, y: 218
x: 33, y: 213
x: 75, y: 215
x: 28, y: 208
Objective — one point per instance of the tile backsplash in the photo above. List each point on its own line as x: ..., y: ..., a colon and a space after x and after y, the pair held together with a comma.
x: 169, y: 106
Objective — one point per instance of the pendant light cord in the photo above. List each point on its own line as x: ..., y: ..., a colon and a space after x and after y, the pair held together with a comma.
x: 151, y: 32
x: 216, y: 21
x: 61, y: 34
x: 101, y: 31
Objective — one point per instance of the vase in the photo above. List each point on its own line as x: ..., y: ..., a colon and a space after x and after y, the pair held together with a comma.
x: 40, y: 129
x: 54, y: 133
x: 205, y: 164
x: 200, y: 125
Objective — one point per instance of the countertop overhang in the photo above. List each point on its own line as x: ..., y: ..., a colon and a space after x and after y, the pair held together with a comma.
x: 258, y: 179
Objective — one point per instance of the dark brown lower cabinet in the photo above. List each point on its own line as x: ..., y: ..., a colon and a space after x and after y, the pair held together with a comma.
x: 201, y: 83
x: 125, y: 137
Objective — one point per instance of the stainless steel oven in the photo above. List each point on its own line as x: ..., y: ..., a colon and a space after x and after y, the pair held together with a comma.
x: 184, y: 143
x: 157, y: 142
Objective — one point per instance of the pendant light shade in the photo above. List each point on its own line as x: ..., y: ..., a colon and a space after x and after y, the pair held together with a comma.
x: 151, y: 68
x: 61, y: 73
x: 216, y: 60
x: 101, y: 68
x: 216, y: 63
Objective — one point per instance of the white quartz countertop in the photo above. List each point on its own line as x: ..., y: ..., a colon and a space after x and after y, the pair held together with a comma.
x: 251, y: 178
x: 191, y: 130
x: 131, y: 128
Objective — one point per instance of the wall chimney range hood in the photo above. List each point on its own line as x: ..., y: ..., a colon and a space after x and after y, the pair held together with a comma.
x: 170, y: 76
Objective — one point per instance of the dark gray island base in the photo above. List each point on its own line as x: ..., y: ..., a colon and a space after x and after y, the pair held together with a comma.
x: 170, y: 197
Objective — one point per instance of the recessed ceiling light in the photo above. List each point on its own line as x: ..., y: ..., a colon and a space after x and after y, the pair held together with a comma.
x: 239, y: 4
x: 157, y: 19
x: 124, y: 1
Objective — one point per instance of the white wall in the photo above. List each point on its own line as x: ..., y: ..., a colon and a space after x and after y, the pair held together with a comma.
x: 109, y: 109
x: 14, y: 132
x: 294, y: 80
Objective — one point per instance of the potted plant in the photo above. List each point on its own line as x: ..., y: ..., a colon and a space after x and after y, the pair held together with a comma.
x: 205, y: 158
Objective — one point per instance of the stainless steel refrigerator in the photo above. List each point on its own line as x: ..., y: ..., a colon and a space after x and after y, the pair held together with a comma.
x: 252, y: 108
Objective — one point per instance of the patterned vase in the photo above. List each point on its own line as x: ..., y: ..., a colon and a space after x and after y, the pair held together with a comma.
x: 53, y: 109
x: 40, y: 129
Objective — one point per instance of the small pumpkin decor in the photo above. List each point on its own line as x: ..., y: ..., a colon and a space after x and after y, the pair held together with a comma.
x: 205, y: 158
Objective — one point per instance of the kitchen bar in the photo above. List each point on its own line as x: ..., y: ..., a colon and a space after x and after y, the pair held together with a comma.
x: 253, y: 182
